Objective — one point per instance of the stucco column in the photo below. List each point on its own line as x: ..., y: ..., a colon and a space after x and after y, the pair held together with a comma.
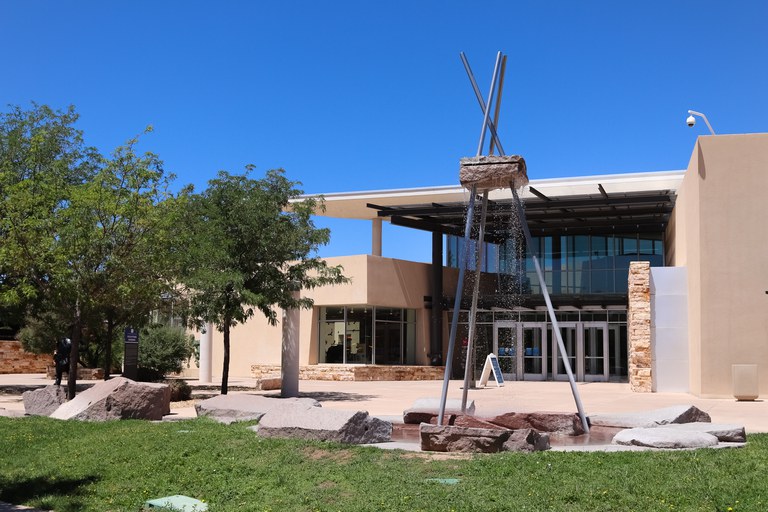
x: 206, y: 352
x: 639, y: 327
x: 289, y: 367
x: 436, y: 333
x: 376, y: 236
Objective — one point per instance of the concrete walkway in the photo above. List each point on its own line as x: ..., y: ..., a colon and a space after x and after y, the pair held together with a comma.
x: 390, y: 398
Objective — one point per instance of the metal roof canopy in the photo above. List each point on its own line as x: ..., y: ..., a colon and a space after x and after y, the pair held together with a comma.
x: 599, y: 213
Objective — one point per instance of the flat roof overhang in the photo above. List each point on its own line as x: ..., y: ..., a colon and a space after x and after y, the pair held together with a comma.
x: 620, y: 203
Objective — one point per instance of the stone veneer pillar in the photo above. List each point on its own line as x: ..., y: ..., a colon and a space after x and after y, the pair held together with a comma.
x: 639, y: 327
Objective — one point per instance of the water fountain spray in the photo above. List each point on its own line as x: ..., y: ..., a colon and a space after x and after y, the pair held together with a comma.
x: 482, y: 174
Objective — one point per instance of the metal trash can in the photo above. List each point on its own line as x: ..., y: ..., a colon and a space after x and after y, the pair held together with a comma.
x: 745, y: 383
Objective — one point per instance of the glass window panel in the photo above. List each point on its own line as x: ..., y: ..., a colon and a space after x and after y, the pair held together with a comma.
x: 331, y: 346
x: 332, y: 313
x: 389, y: 342
x: 389, y: 315
x: 358, y: 335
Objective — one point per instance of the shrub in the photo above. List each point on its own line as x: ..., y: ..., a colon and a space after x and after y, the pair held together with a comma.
x: 163, y: 350
x: 180, y: 390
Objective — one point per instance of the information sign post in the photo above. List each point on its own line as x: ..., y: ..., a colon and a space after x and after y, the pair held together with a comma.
x: 131, y: 353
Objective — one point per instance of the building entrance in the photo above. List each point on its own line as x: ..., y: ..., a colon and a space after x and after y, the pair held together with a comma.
x: 528, y: 350
x: 587, y: 347
x: 522, y: 349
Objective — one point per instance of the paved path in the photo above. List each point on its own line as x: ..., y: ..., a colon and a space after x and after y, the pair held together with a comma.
x: 389, y: 398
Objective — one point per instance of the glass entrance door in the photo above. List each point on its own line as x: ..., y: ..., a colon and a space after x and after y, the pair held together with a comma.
x: 587, y: 346
x: 506, y: 348
x: 570, y: 333
x: 595, y: 349
x: 534, y: 349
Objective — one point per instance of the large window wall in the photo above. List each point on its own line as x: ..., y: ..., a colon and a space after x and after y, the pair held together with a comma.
x: 367, y: 335
x: 609, y: 325
x: 572, y: 264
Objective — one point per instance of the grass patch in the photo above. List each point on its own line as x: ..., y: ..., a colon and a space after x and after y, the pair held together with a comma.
x: 116, y: 466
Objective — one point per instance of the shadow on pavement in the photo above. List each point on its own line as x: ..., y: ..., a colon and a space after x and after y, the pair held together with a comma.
x: 331, y: 396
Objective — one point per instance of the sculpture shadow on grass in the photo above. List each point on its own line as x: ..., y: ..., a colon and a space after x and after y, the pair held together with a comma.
x: 42, y: 489
x: 330, y: 396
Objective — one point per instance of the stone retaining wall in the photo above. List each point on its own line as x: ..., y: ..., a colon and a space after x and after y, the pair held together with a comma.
x: 354, y: 372
x: 13, y: 359
x: 639, y: 327
x: 82, y: 373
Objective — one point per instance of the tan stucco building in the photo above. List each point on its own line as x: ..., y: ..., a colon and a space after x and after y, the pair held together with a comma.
x: 702, y: 229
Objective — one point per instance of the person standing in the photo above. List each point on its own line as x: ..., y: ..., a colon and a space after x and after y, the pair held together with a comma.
x: 61, y: 358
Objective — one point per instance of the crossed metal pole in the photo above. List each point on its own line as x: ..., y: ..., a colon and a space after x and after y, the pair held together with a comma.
x: 488, y: 124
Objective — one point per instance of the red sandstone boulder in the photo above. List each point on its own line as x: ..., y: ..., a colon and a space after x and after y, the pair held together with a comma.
x: 557, y: 423
x: 448, y: 438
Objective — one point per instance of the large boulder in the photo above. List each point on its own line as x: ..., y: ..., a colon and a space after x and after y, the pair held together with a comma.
x: 556, y: 423
x: 724, y: 432
x: 43, y: 401
x: 424, y: 409
x: 302, y: 421
x: 654, y: 418
x: 664, y: 438
x: 462, y: 420
x: 526, y: 440
x: 245, y: 407
x: 449, y: 438
x: 491, y: 172
x: 116, y: 399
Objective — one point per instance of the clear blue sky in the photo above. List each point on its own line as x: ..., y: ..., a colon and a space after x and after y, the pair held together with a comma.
x: 368, y: 95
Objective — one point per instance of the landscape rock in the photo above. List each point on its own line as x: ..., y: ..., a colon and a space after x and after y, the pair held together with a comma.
x: 269, y: 383
x: 115, y: 399
x: 43, y: 401
x: 527, y: 440
x: 556, y: 423
x: 664, y: 438
x: 490, y: 172
x: 654, y: 418
x: 245, y: 407
x: 726, y: 433
x: 462, y: 420
x: 447, y: 438
x: 424, y: 409
x: 302, y: 421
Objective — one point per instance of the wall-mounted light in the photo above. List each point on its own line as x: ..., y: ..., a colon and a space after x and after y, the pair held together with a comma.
x: 692, y: 120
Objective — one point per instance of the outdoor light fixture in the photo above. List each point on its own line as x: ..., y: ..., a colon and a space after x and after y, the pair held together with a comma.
x: 692, y: 120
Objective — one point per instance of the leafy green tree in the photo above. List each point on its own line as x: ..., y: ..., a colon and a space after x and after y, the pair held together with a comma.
x: 123, y: 226
x: 85, y: 239
x: 42, y: 159
x: 254, y: 245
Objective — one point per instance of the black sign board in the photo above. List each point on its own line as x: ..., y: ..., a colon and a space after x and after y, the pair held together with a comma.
x: 131, y: 335
x: 131, y: 353
x: 496, y: 369
x: 491, y: 365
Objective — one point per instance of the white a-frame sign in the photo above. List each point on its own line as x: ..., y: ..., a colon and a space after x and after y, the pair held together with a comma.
x: 491, y: 365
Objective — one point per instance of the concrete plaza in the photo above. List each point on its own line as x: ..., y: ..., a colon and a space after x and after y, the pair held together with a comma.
x: 390, y: 398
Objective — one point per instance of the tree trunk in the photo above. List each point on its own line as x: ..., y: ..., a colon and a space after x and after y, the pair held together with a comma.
x: 225, y: 370
x: 74, y: 355
x: 108, y: 349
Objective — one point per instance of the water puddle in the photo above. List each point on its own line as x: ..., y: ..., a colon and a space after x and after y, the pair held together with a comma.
x: 597, y: 436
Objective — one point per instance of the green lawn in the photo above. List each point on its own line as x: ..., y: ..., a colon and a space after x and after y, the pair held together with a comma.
x: 74, y: 466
